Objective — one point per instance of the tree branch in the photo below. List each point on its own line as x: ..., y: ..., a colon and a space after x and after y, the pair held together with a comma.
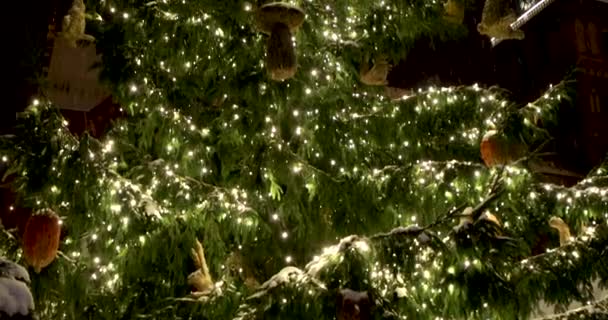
x: 596, y: 310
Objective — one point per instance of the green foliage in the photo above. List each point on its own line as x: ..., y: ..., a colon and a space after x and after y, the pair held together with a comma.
x: 275, y: 173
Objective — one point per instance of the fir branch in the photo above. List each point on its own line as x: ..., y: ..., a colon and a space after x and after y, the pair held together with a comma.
x: 535, y: 153
x: 597, y: 310
x: 304, y: 162
x: 559, y: 251
x: 154, y: 164
x: 448, y: 216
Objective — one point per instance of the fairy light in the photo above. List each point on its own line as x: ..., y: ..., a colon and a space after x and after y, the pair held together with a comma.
x: 166, y: 182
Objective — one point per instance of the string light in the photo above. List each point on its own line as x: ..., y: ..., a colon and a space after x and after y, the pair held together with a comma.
x: 171, y: 187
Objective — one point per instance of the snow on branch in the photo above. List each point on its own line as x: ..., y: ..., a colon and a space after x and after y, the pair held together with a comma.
x: 596, y: 310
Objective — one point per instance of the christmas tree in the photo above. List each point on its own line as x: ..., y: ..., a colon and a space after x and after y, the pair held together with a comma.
x: 260, y: 172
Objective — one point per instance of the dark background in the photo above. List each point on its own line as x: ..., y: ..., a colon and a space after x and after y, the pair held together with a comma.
x: 525, y: 68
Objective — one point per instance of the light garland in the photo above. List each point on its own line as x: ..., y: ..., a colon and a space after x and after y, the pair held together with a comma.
x: 184, y: 183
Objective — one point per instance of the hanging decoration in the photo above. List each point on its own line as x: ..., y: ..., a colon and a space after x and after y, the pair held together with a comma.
x: 377, y: 73
x: 41, y: 239
x: 201, y: 278
x: 562, y: 228
x: 496, y: 20
x: 496, y: 150
x: 454, y: 11
x: 74, y: 24
x: 354, y: 305
x: 280, y: 20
